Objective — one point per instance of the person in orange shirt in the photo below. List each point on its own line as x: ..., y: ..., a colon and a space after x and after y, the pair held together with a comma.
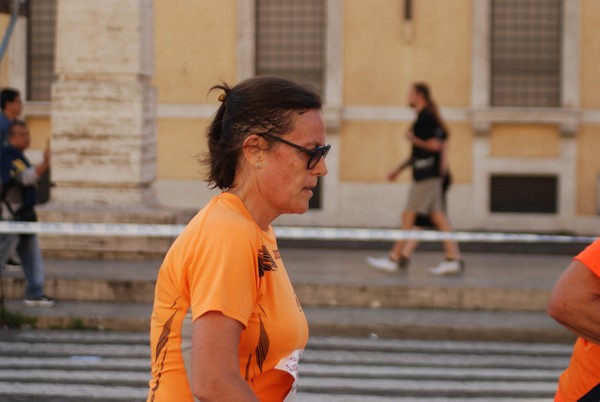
x: 575, y: 303
x: 266, y: 152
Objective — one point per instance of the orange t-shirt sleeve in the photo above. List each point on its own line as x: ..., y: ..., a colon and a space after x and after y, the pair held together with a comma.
x: 223, y: 274
x: 590, y: 257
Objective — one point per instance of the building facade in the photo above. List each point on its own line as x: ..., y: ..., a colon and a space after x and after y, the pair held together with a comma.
x: 516, y: 80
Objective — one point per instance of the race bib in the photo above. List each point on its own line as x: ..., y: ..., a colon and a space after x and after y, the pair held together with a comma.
x: 290, y: 365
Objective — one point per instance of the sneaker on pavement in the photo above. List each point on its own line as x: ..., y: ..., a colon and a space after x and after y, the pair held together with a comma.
x: 13, y: 261
x: 12, y: 265
x: 43, y: 301
x: 383, y: 264
x: 448, y: 267
x: 403, y: 263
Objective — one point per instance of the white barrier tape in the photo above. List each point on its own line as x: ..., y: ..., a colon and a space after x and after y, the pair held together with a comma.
x: 285, y: 232
x: 91, y: 229
x: 421, y: 235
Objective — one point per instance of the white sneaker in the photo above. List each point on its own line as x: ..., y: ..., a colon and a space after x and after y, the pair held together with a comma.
x: 448, y: 267
x: 383, y: 263
x: 42, y: 301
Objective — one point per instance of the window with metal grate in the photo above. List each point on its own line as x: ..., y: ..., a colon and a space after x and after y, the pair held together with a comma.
x: 290, y: 43
x: 524, y: 194
x: 41, y: 33
x: 290, y: 40
x: 526, y: 53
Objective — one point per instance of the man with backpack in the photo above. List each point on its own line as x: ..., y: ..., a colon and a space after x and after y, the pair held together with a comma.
x: 19, y: 181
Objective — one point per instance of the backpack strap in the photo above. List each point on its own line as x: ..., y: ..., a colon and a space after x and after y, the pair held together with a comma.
x: 3, y: 197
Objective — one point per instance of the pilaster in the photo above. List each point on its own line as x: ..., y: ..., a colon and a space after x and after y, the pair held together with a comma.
x: 103, y: 103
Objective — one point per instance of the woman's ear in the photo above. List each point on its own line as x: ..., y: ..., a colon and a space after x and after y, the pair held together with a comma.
x: 253, y: 148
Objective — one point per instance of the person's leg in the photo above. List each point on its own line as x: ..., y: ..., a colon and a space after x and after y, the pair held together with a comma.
x: 422, y: 222
x: 29, y: 251
x: 443, y: 224
x: 410, y: 246
x: 453, y: 263
x: 425, y: 197
x: 8, y: 246
x: 420, y: 198
x: 396, y: 260
x: 399, y: 250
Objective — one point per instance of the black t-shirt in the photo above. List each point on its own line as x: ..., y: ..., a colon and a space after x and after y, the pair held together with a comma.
x: 426, y: 164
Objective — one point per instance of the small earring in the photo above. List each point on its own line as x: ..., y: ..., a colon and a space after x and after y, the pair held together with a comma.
x: 257, y: 166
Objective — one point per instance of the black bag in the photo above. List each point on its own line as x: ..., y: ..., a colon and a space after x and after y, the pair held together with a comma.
x: 25, y: 214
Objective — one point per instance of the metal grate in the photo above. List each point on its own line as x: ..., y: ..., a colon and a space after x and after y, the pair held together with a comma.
x: 524, y: 194
x: 290, y: 43
x: 7, y: 5
x: 526, y: 53
x: 41, y: 33
x: 290, y: 40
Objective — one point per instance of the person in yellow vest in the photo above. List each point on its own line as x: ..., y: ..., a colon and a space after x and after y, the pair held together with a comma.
x: 266, y: 152
x: 575, y: 303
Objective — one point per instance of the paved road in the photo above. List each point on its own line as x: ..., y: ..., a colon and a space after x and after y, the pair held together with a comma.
x: 95, y: 366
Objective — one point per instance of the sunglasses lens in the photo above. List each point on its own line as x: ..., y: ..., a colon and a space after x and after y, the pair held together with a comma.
x: 319, y: 152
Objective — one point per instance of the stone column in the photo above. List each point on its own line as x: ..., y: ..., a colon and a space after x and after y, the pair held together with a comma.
x: 103, y: 104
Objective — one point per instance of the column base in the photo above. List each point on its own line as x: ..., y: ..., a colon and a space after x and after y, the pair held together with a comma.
x: 88, y: 194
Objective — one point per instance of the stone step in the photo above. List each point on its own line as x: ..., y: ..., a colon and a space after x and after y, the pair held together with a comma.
x: 88, y: 315
x: 428, y: 388
x: 109, y: 366
x: 108, y: 247
x: 135, y: 248
x: 75, y: 289
x: 427, y: 324
x: 499, y: 295
x: 310, y: 294
x: 430, y: 324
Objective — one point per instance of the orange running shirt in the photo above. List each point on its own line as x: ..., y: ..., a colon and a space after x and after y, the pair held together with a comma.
x: 224, y: 262
x: 582, y: 377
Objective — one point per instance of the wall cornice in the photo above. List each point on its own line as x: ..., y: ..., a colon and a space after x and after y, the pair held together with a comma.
x: 567, y: 120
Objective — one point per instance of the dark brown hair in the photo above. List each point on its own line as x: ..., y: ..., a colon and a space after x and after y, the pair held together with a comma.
x: 16, y: 123
x: 423, y: 89
x: 7, y: 95
x: 256, y: 105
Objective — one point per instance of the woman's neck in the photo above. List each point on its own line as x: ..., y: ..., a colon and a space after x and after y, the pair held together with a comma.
x: 255, y: 208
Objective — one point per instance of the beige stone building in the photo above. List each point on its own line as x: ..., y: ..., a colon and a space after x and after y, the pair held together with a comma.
x: 121, y: 88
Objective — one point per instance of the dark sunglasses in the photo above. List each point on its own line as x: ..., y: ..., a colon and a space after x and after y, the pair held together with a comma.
x: 315, y: 155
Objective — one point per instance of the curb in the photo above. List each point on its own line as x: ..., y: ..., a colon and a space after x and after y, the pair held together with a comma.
x: 309, y: 294
x: 506, y: 326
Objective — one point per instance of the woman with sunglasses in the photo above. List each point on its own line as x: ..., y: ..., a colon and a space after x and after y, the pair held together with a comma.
x: 266, y: 151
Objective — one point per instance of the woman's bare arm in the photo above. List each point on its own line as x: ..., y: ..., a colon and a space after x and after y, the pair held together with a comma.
x: 215, y: 367
x: 575, y: 301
